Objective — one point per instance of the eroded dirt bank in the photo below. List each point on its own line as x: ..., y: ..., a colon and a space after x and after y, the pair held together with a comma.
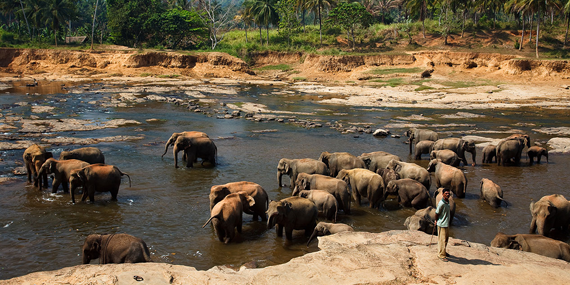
x: 394, y: 257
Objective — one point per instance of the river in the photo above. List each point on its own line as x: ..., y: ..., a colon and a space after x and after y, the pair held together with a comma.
x: 167, y: 207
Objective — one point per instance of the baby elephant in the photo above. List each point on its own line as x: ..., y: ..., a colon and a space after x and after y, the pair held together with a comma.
x: 325, y: 202
x: 491, y: 193
x: 97, y: 178
x: 293, y: 213
x: 115, y: 248
x: 489, y: 152
x: 446, y: 156
x: 423, y: 220
x: 411, y: 193
x: 226, y: 215
x: 538, y: 244
x: 325, y: 229
x: 538, y: 152
x: 423, y: 147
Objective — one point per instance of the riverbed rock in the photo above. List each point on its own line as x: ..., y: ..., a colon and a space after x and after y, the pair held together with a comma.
x: 393, y: 257
x: 559, y: 145
x: 381, y: 133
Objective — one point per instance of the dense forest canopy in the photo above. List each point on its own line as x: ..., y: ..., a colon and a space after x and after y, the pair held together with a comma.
x: 208, y: 24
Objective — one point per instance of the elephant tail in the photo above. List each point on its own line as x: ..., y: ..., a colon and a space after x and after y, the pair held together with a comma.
x: 503, y: 200
x: 126, y: 175
x: 209, y: 220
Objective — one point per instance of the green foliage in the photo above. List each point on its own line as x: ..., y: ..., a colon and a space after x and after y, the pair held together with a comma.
x: 351, y: 17
x: 178, y: 29
x: 288, y: 23
x: 129, y: 20
x: 281, y: 67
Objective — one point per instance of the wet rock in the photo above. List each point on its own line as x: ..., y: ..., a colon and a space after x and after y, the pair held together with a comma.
x: 15, y: 145
x: 88, y: 141
x: 462, y: 115
x: 554, y: 131
x: 236, y: 113
x: 381, y: 133
x: 153, y: 120
x: 4, y: 180
x: 559, y: 145
x: 19, y: 170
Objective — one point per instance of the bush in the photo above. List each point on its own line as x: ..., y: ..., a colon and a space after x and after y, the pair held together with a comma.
x: 7, y: 37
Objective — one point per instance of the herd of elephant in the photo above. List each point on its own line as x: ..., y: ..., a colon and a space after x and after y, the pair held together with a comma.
x: 320, y: 188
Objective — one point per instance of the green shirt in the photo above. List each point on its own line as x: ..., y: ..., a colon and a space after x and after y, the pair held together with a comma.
x: 443, y: 213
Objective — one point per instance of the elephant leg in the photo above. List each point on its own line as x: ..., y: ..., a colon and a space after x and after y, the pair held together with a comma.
x: 45, y: 180
x: 279, y: 230
x: 65, y: 186
x: 92, y: 196
x: 239, y: 224
x: 356, y: 196
x: 532, y: 226
x: 289, y: 233
x: 263, y: 216
x: 55, y: 185
x: 85, y: 193
x: 346, y: 206
x: 114, y: 193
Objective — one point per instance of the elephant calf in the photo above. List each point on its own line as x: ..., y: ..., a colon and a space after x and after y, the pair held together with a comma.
x: 325, y: 202
x: 293, y: 213
x: 489, y: 152
x: 219, y: 192
x: 533, y: 243
x: 538, y: 152
x: 115, y: 248
x: 325, y: 229
x: 338, y: 188
x: 34, y: 157
x: 550, y: 212
x: 293, y: 167
x: 226, y: 216
x: 423, y: 147
x: 423, y: 220
x: 491, y: 192
x: 447, y: 156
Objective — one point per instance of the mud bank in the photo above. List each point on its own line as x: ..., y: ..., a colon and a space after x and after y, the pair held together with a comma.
x: 393, y: 257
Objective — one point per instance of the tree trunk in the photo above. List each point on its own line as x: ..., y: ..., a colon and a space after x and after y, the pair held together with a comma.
x: 267, y: 34
x: 566, y: 36
x: 463, y: 25
x: 246, y: 34
x: 260, y: 36
x: 28, y: 25
x: 320, y: 26
x: 93, y: 26
x: 530, y: 28
x: 537, y: 28
x: 522, y: 35
x: 55, y: 35
x: 423, y: 16
x: 303, y: 19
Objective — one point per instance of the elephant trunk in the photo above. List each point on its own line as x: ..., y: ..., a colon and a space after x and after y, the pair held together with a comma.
x: 168, y: 143
x: 86, y: 258
x: 315, y: 232
x: 271, y: 221
x: 279, y: 175
x: 541, y: 227
x: 473, y: 156
x: 546, y: 155
x: 175, y: 151
x: 296, y: 191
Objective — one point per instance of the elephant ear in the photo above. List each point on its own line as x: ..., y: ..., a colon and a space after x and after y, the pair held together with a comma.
x: 367, y: 161
x: 287, y: 207
x: 305, y: 183
x: 286, y: 165
x: 532, y: 207
x: 398, y: 167
x: 326, y: 231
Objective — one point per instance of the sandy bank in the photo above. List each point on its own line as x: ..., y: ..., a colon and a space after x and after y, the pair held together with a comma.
x: 394, y: 257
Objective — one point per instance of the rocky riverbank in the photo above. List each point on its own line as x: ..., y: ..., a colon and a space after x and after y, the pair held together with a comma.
x: 394, y: 257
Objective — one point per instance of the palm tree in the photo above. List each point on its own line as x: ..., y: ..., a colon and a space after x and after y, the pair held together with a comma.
x: 419, y: 6
x: 318, y: 6
x: 566, y: 10
x: 264, y: 13
x: 56, y: 12
x: 302, y: 6
x: 244, y: 15
x: 24, y: 12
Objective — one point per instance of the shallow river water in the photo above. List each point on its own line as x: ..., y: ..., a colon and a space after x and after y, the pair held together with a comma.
x: 167, y: 207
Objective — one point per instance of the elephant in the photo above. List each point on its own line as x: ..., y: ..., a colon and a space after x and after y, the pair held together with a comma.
x: 91, y: 155
x: 325, y: 202
x: 195, y: 147
x: 34, y: 157
x: 325, y: 229
x: 410, y: 170
x: 61, y: 170
x: 459, y: 146
x: 423, y: 147
x: 388, y: 175
x: 97, y: 178
x: 538, y: 244
x: 491, y: 192
x: 254, y: 190
x: 337, y: 187
x: 511, y: 148
x: 538, y: 152
x: 292, y: 213
x: 340, y: 160
x: 226, y: 215
x: 423, y: 220
x: 447, y: 156
x: 550, y: 212
x: 489, y: 152
x: 293, y: 167
x: 364, y: 183
x: 448, y: 177
x: 410, y: 192
x: 438, y: 194
x: 115, y: 248
x: 420, y: 135
x: 175, y: 136
x: 377, y: 160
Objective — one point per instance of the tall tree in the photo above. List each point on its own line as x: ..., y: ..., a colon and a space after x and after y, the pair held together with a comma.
x: 419, y: 7
x: 318, y: 6
x: 265, y: 13
x: 288, y: 22
x: 349, y: 16
x: 56, y: 12
x: 566, y: 11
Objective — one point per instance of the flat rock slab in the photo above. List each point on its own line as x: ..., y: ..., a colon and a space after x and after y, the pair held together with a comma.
x: 394, y: 257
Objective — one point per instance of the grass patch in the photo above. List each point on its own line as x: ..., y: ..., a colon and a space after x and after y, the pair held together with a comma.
x: 282, y: 67
x: 145, y: 74
x: 168, y: 75
x: 392, y: 82
x: 299, y: 78
x: 116, y: 74
x: 238, y: 104
x: 384, y: 71
x: 423, y: 87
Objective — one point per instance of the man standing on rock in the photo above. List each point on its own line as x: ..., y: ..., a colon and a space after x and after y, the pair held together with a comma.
x: 442, y: 217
